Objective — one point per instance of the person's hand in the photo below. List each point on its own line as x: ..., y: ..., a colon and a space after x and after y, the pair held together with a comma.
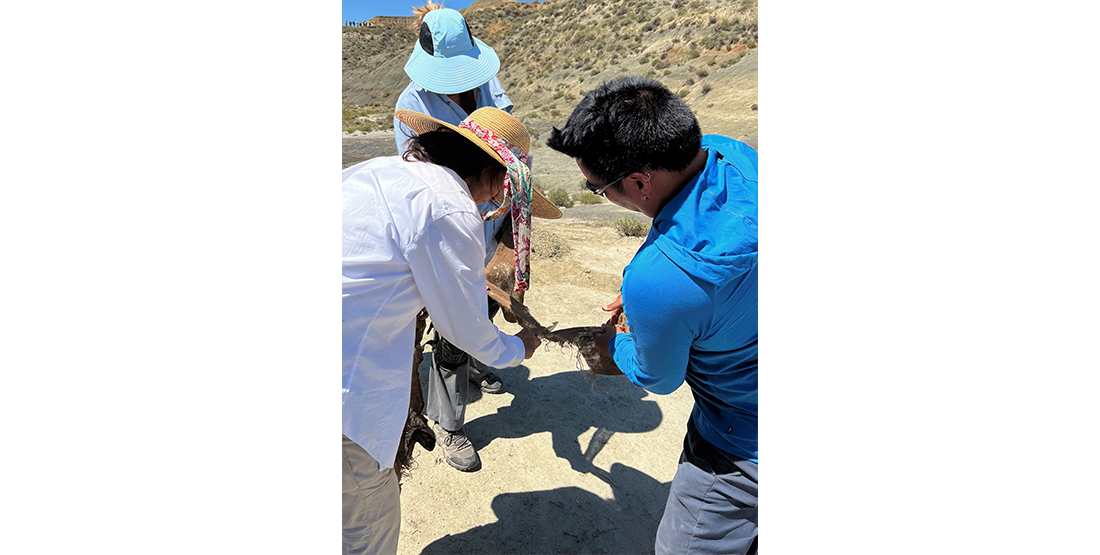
x: 530, y: 342
x: 615, y: 308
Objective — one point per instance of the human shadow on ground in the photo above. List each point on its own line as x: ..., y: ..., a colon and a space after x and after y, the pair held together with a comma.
x: 568, y: 520
x: 568, y: 404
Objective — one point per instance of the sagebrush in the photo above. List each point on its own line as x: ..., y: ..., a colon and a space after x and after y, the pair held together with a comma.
x: 560, y: 198
x: 588, y: 197
x: 631, y: 227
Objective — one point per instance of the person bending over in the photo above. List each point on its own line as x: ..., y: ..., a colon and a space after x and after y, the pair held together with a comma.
x: 689, y: 294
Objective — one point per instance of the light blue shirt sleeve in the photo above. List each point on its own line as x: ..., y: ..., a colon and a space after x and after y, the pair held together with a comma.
x: 494, y: 91
x: 412, y: 98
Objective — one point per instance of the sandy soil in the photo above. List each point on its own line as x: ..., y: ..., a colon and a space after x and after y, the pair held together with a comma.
x: 571, y: 463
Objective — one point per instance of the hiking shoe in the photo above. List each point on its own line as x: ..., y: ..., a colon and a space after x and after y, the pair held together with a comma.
x: 490, y: 384
x: 457, y: 449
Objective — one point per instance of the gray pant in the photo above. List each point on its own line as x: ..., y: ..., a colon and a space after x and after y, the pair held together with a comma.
x: 712, y: 506
x: 372, y: 504
x: 449, y: 380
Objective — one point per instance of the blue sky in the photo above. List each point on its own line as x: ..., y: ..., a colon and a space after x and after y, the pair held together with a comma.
x: 362, y: 10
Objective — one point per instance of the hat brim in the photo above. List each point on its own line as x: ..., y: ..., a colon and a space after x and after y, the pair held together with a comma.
x: 455, y: 74
x: 541, y: 207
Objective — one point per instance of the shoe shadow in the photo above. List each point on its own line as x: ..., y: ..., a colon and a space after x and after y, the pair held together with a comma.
x: 568, y: 520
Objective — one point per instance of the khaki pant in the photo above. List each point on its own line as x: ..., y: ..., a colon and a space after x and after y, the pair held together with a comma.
x: 372, y: 504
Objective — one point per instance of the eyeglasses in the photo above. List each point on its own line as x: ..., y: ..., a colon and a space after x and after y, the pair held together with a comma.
x: 600, y: 190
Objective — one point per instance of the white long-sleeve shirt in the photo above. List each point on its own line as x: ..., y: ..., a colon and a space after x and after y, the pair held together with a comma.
x: 412, y: 238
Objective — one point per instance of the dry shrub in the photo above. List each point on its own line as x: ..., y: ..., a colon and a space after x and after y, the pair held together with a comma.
x: 545, y: 244
x: 560, y: 198
x: 588, y: 197
x: 631, y: 227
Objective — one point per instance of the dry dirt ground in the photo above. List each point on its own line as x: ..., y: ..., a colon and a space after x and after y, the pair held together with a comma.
x: 571, y: 463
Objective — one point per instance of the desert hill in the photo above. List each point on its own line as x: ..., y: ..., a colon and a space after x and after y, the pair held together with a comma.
x: 553, y: 52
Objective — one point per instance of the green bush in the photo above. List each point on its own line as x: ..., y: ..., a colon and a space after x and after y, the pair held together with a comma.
x: 588, y: 197
x: 560, y: 198
x: 631, y: 227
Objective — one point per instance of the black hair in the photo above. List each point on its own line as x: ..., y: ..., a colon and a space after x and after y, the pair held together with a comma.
x: 445, y: 147
x: 628, y: 124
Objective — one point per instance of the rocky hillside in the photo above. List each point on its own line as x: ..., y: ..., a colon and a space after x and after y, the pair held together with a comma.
x: 553, y: 52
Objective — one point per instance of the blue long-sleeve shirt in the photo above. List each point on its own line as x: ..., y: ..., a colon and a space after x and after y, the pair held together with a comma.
x: 690, y: 298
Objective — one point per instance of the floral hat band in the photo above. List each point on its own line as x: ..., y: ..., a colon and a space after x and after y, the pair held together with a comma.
x: 517, y: 196
x: 478, y: 130
x: 515, y: 160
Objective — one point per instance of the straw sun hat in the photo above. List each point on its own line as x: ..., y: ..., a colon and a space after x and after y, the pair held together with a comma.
x: 505, y: 126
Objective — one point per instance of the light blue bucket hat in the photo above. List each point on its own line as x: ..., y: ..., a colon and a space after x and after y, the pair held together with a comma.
x: 446, y: 59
